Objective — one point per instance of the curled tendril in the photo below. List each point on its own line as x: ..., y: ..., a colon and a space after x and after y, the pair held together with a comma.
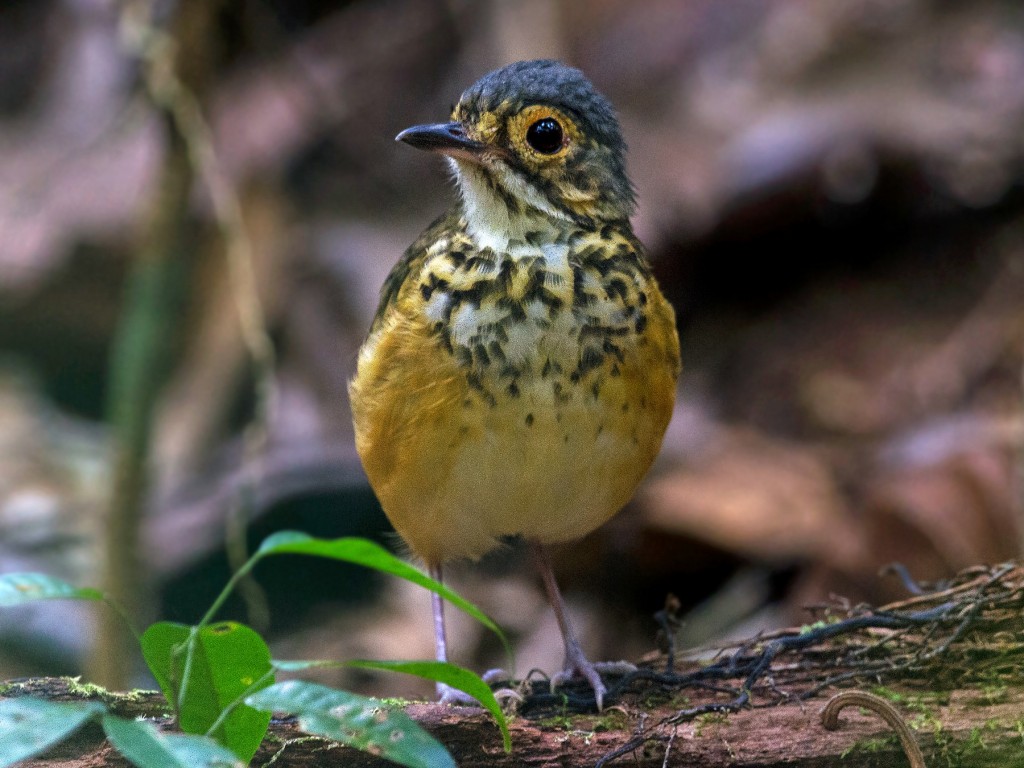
x: 882, y: 708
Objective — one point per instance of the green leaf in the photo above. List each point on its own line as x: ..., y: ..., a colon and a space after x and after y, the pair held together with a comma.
x: 20, y: 588
x: 205, y: 673
x: 29, y: 726
x: 358, y: 721
x: 371, y: 555
x: 147, y: 747
x: 457, y: 677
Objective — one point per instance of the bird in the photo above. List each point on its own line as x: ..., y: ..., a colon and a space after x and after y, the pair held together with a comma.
x: 521, y: 370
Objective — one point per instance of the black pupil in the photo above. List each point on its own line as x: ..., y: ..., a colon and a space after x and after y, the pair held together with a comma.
x: 545, y: 136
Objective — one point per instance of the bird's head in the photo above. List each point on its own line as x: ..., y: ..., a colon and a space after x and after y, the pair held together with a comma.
x: 533, y: 140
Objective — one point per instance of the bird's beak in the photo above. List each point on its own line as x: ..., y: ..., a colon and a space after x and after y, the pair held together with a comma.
x: 446, y: 138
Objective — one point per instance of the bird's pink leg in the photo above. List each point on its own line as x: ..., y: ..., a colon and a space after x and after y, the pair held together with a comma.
x: 575, y: 660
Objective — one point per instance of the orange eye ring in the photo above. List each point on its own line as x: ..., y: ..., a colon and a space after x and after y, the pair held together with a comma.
x: 542, y: 135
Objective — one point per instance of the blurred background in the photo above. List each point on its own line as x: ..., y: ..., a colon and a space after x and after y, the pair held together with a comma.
x: 832, y: 193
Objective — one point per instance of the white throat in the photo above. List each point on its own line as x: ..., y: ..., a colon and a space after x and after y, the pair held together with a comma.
x: 488, y: 218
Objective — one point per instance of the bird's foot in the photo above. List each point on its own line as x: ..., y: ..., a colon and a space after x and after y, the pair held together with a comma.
x: 577, y: 663
x: 491, y: 676
x: 448, y: 695
x: 619, y: 668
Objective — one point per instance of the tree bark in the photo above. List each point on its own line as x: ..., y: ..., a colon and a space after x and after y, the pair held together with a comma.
x: 972, y: 728
x: 951, y: 662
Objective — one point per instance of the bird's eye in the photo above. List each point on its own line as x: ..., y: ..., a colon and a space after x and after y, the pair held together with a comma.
x: 545, y: 136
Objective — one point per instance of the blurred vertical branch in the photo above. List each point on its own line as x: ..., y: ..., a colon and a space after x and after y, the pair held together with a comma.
x: 176, y: 68
x: 179, y: 97
x: 154, y: 291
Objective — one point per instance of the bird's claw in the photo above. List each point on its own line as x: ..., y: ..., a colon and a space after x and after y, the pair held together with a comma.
x: 589, y: 673
x: 577, y: 663
x: 448, y: 695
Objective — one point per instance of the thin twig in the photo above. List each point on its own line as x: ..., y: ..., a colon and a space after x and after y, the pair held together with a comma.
x: 918, y: 643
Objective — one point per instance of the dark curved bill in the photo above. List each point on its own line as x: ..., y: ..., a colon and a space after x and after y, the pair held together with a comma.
x: 447, y: 138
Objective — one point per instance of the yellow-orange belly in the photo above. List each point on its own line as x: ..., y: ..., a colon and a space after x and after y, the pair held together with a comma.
x: 458, y: 461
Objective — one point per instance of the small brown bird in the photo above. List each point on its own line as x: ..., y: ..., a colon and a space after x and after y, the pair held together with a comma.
x: 521, y: 369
